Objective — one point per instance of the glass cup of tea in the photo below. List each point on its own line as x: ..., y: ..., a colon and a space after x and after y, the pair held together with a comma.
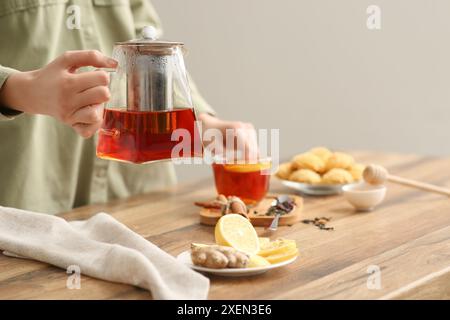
x: 248, y: 181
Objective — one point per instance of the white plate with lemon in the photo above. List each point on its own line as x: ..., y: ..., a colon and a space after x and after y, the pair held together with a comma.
x: 185, y: 257
x: 235, y: 231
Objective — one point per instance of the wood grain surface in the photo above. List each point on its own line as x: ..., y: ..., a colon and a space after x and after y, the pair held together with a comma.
x: 407, y: 238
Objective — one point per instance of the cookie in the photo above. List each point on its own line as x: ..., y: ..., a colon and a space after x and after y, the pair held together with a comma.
x: 337, y: 176
x: 284, y: 170
x: 339, y: 160
x: 322, y: 152
x: 305, y: 176
x: 356, y: 171
x: 308, y: 161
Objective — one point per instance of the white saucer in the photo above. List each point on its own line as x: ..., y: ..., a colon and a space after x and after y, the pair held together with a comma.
x: 185, y: 257
x: 315, y: 189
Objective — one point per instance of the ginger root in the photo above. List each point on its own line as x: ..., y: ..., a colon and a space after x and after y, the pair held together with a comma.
x: 218, y: 257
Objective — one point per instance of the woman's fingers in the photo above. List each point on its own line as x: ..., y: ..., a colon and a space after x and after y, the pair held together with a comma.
x: 91, y: 96
x: 85, y: 130
x: 246, y: 143
x: 251, y: 148
x: 86, y: 121
x: 238, y: 137
x: 88, y: 115
x: 87, y: 80
x: 72, y: 60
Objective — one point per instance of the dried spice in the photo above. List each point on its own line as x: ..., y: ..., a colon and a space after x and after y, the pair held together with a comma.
x: 281, y: 208
x: 217, y: 203
x: 225, y: 205
x: 319, y: 223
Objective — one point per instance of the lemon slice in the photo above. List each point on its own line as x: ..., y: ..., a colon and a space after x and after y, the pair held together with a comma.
x: 277, y: 247
x: 263, y: 241
x: 235, y: 231
x: 287, y: 255
x: 257, y: 261
x: 248, y: 167
x: 199, y: 245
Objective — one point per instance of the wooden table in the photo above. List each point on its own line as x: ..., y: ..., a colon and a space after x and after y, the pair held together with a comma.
x: 407, y: 239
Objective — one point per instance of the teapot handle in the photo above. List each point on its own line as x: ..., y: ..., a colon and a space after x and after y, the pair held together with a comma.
x: 114, y: 132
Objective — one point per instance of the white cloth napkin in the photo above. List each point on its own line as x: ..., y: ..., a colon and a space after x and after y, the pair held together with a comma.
x: 102, y: 248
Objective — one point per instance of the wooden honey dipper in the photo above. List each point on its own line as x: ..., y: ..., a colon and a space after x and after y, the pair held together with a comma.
x: 375, y: 174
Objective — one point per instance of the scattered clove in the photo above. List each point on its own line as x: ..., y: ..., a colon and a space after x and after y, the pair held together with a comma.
x: 319, y: 223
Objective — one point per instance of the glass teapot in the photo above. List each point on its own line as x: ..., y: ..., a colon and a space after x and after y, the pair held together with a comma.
x: 150, y: 116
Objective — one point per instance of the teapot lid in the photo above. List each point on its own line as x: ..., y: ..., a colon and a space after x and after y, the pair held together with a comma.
x: 149, y: 43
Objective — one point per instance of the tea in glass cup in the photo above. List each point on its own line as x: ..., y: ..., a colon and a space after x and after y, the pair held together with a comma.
x: 248, y: 181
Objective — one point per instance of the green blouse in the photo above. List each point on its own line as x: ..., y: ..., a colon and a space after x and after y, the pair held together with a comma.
x: 44, y: 165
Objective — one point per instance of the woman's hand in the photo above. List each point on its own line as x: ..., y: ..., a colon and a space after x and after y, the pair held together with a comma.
x: 244, y: 134
x: 57, y: 90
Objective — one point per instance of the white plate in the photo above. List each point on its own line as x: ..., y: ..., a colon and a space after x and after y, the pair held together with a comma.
x: 185, y: 257
x: 314, y: 190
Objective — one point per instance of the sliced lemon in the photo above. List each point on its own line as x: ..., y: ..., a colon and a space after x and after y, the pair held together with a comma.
x: 276, y: 247
x: 277, y: 258
x: 248, y: 167
x: 263, y: 241
x: 235, y: 231
x: 199, y: 245
x: 257, y: 261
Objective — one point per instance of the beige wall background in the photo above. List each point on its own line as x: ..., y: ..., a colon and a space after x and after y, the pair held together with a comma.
x: 312, y: 69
